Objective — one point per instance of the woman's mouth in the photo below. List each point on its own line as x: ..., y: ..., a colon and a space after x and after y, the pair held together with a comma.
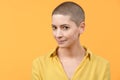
x: 61, y: 41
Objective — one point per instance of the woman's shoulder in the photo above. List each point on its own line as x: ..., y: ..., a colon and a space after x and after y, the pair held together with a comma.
x: 100, y: 59
x: 41, y: 59
x: 97, y: 59
x: 44, y: 58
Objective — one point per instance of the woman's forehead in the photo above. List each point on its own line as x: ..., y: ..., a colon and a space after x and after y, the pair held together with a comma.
x: 61, y: 19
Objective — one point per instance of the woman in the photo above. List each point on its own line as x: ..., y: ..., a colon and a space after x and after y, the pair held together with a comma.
x: 70, y: 60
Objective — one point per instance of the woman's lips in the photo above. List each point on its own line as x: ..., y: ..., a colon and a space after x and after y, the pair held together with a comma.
x: 61, y: 41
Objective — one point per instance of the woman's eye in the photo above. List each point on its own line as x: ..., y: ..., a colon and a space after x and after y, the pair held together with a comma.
x: 54, y: 28
x: 65, y: 28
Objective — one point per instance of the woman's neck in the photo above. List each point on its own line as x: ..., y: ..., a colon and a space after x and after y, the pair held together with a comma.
x: 71, y: 52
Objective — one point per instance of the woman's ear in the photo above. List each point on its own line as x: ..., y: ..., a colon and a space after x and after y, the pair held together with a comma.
x: 82, y: 27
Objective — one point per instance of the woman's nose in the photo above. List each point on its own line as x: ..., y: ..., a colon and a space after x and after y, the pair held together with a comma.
x: 59, y: 33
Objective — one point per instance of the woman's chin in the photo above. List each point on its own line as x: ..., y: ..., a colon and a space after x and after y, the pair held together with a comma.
x: 63, y: 46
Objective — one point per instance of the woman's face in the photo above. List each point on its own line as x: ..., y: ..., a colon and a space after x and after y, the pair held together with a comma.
x: 65, y: 31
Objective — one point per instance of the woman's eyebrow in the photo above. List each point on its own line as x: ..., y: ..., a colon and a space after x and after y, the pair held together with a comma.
x: 65, y: 25
x: 53, y: 25
x: 61, y: 25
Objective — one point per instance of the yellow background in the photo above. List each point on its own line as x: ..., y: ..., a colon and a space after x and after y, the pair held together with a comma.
x: 25, y: 33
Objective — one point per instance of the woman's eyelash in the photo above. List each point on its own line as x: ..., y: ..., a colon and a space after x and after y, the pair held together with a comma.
x: 65, y: 27
x: 54, y: 27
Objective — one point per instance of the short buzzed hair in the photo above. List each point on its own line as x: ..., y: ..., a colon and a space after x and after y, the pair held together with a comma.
x: 72, y: 9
